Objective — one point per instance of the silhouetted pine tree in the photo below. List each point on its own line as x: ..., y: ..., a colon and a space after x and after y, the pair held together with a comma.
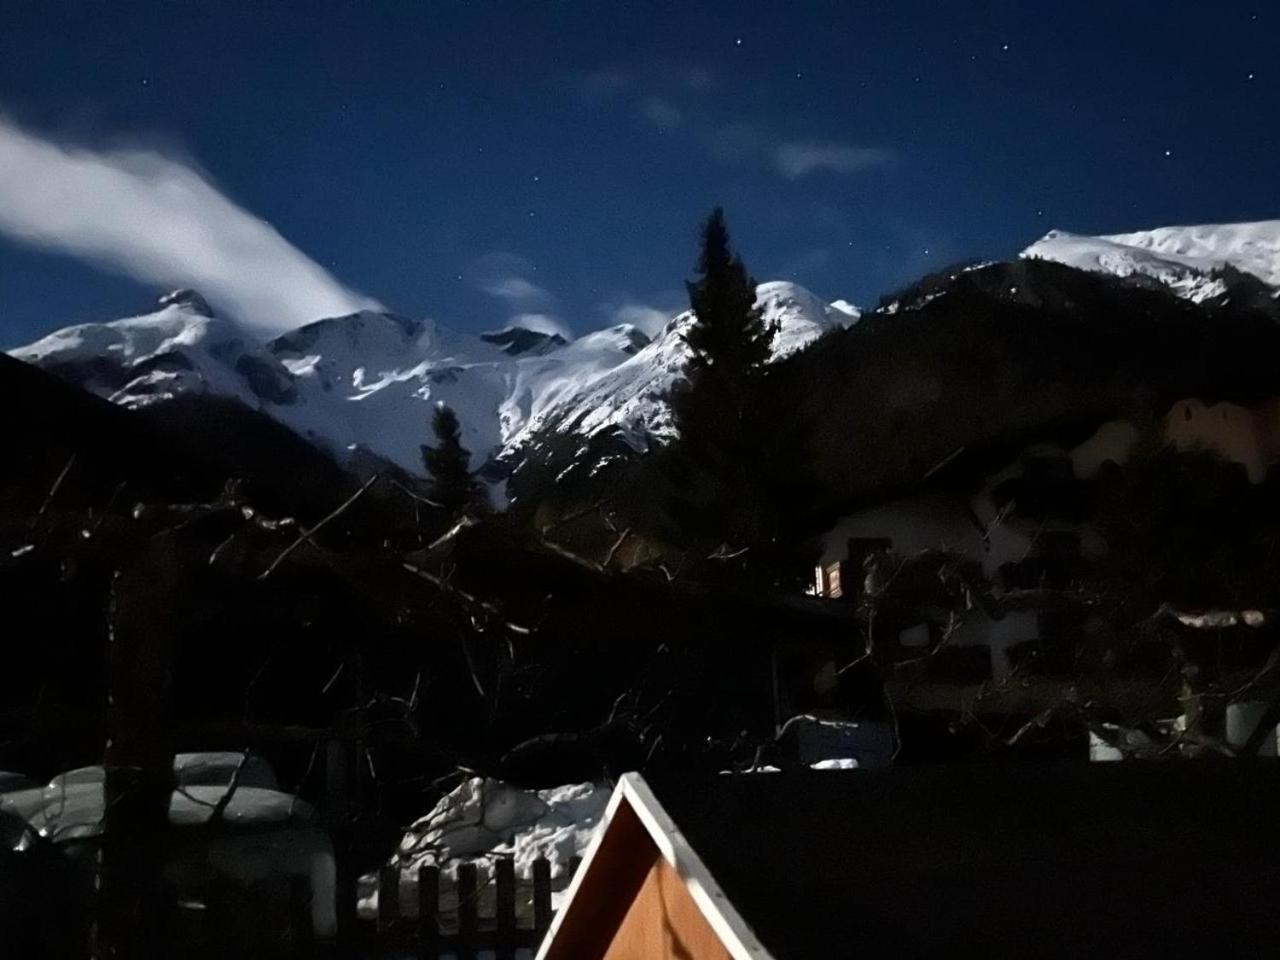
x: 449, y: 465
x: 729, y: 335
x: 714, y: 465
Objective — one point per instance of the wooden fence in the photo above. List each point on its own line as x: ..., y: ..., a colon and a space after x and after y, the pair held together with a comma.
x: 426, y: 935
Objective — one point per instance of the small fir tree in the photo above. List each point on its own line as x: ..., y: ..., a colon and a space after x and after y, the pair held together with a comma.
x: 448, y: 464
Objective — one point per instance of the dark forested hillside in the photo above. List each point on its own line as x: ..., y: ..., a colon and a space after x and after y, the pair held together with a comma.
x: 998, y: 356
x: 966, y: 366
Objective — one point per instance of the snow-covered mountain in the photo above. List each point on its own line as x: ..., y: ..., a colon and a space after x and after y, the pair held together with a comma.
x: 1189, y: 260
x: 630, y: 398
x: 365, y: 383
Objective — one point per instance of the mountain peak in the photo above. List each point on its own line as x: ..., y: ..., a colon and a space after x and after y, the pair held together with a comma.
x: 518, y: 341
x: 188, y: 299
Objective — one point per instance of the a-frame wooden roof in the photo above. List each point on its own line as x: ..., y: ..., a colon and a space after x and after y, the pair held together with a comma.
x: 614, y: 868
x: 1174, y: 858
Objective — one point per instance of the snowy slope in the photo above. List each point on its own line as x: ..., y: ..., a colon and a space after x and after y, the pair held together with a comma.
x: 1183, y: 258
x: 180, y: 348
x: 367, y: 382
x: 630, y: 398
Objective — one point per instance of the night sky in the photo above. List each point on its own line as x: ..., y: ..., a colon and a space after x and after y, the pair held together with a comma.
x: 472, y: 161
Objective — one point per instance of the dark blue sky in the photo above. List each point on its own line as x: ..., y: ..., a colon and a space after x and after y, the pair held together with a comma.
x: 418, y: 150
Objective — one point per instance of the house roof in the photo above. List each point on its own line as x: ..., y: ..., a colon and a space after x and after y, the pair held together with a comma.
x: 1165, y: 859
x: 633, y: 801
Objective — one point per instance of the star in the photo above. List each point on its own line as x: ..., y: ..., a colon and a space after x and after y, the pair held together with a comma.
x: 1168, y: 153
x: 737, y: 42
x: 1004, y: 47
x: 536, y: 178
x: 1249, y: 77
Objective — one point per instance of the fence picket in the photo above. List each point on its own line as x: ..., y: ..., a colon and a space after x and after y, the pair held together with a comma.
x: 428, y: 913
x: 467, y: 919
x: 541, y: 896
x: 388, y: 897
x: 502, y: 933
x: 504, y: 879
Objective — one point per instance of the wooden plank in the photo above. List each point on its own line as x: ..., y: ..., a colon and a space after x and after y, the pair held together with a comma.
x: 623, y: 859
x: 541, y: 895
x: 428, y: 913
x: 388, y: 897
x: 505, y: 912
x: 300, y: 925
x: 468, y: 924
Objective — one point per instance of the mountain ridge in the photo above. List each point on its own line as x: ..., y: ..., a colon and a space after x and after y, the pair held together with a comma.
x: 365, y: 383
x: 1190, y: 260
x: 361, y: 387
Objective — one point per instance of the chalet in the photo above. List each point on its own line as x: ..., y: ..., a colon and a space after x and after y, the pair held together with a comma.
x: 968, y: 567
x: 982, y: 559
x: 1050, y: 860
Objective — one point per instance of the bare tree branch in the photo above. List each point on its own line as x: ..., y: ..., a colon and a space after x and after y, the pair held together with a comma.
x: 308, y: 534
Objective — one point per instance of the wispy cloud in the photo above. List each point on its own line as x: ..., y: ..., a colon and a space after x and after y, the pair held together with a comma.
x: 655, y: 80
x: 661, y: 113
x: 601, y: 86
x: 696, y: 78
x: 647, y: 313
x: 736, y: 142
x: 683, y: 97
x: 542, y: 323
x: 159, y: 221
x: 517, y: 291
x: 506, y: 276
x: 796, y: 160
x: 648, y: 318
x: 671, y: 95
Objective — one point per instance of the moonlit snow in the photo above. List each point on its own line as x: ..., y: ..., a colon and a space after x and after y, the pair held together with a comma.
x: 1183, y: 258
x: 483, y: 820
x: 368, y: 381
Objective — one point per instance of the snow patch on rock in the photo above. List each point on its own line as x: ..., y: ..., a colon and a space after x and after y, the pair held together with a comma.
x: 1183, y: 258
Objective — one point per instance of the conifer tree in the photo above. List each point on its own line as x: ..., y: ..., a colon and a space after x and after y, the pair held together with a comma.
x: 714, y: 465
x: 728, y: 333
x: 449, y: 465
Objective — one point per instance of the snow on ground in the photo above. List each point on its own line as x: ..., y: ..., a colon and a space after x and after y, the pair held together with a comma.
x: 1183, y: 258
x: 483, y: 820
x: 268, y: 832
x: 71, y: 804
